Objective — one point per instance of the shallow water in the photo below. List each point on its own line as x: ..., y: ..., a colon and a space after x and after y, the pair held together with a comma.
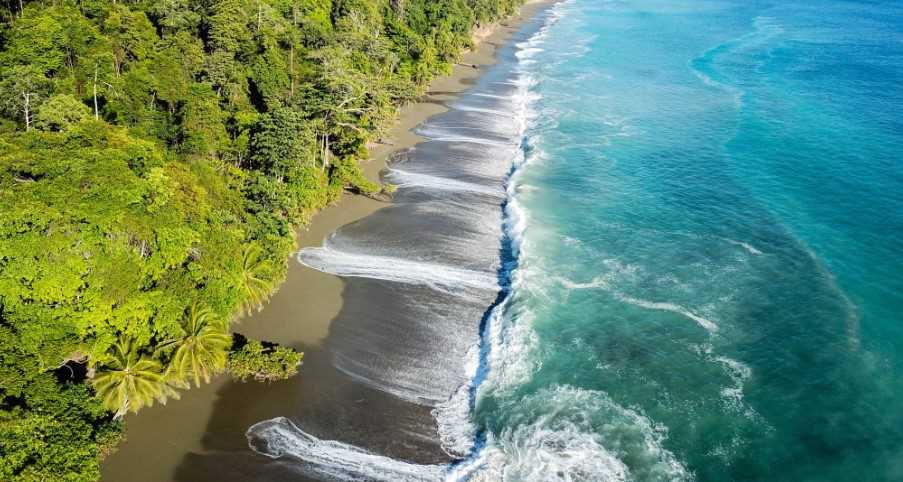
x: 658, y: 241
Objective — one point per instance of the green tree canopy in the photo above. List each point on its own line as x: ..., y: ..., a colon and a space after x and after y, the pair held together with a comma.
x: 201, y: 352
x: 156, y: 158
x: 131, y: 381
x: 61, y: 112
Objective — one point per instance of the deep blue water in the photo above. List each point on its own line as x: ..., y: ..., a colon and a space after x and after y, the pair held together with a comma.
x: 710, y: 274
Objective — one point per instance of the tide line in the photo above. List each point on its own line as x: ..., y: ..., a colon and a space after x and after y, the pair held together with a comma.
x: 279, y: 437
x: 440, y: 277
x: 403, y: 178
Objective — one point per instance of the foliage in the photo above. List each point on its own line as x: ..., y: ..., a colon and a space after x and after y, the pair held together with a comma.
x: 131, y: 381
x: 201, y: 352
x: 130, y: 241
x: 61, y: 112
x: 264, y: 363
x: 251, y: 280
x: 55, y: 432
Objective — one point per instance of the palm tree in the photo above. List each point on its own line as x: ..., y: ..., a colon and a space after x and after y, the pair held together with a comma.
x: 203, y: 351
x: 255, y: 288
x: 130, y: 381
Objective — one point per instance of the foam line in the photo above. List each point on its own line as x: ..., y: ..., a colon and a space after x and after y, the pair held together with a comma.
x: 748, y: 247
x: 491, y: 96
x: 447, y: 133
x: 482, y: 110
x: 408, y: 179
x: 455, y: 428
x: 602, y: 283
x: 597, y: 282
x: 279, y: 437
x: 739, y: 373
x: 709, y: 325
x: 404, y: 388
x: 443, y: 278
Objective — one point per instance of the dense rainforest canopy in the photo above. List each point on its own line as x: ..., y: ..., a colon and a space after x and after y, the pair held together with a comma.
x: 155, y: 156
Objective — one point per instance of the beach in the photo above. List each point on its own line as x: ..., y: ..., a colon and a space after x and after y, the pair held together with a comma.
x: 202, y: 436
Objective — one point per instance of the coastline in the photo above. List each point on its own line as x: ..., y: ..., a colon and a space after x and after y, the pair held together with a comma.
x: 164, y: 443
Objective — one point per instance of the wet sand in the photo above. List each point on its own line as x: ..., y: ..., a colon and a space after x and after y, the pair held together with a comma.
x: 202, y: 436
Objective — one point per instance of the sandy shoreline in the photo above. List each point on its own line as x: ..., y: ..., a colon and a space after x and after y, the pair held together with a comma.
x: 162, y: 442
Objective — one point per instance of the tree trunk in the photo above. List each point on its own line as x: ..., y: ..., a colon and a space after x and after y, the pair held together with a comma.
x: 96, y: 113
x: 291, y: 68
x: 27, y: 97
x: 398, y: 6
x: 325, y: 163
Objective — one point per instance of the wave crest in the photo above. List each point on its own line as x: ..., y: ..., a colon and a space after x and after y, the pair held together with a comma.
x: 564, y: 433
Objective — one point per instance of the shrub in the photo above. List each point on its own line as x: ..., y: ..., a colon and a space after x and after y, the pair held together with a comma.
x: 263, y: 361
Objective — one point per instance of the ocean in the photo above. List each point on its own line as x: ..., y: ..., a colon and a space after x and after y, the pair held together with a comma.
x: 659, y: 240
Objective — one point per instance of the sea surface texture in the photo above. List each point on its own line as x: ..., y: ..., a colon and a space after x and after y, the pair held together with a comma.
x: 660, y: 240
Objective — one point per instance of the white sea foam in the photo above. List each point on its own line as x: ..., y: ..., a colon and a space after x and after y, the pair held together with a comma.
x: 601, y: 282
x: 491, y: 96
x: 483, y: 110
x: 748, y: 247
x: 279, y: 437
x: 455, y: 427
x: 498, y: 135
x: 709, y: 325
x: 566, y: 433
x: 516, y: 225
x: 448, y: 137
x: 448, y: 279
x: 570, y: 241
x: 604, y: 282
x: 403, y: 178
x: 739, y: 372
x: 526, y: 51
x: 514, y: 359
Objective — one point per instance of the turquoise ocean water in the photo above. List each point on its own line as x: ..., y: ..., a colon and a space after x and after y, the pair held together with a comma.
x: 708, y: 222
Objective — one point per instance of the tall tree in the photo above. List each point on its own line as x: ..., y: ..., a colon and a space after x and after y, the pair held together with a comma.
x: 251, y: 280
x: 202, y: 352
x: 173, y: 16
x: 228, y: 28
x: 23, y: 88
x: 61, y: 112
x: 130, y: 381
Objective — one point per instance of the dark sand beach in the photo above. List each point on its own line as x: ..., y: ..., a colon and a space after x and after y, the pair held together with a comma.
x: 202, y: 436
